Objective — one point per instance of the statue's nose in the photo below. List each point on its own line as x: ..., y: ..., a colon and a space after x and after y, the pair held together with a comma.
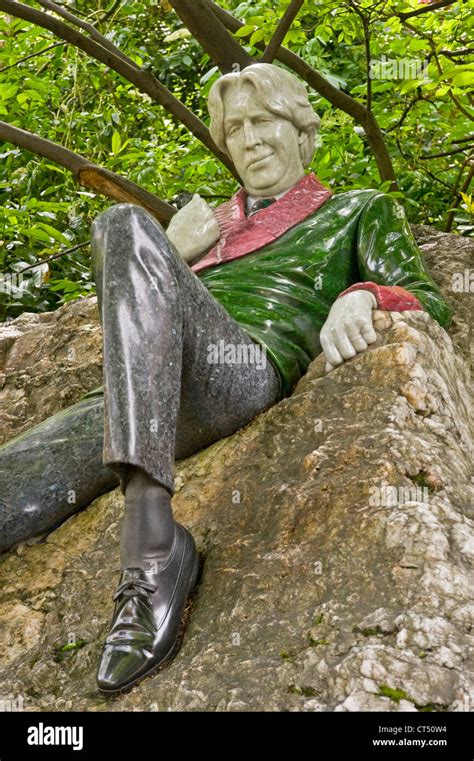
x: 251, y: 136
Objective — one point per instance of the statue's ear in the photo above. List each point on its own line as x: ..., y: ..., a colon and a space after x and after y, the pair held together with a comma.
x: 303, y: 138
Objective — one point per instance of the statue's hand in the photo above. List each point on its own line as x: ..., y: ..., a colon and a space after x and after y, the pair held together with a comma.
x: 349, y: 327
x: 193, y: 229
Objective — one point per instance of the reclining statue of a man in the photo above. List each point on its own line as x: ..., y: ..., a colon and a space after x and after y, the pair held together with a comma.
x: 285, y: 267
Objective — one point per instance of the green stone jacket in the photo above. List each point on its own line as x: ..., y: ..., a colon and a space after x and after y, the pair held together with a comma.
x: 281, y: 294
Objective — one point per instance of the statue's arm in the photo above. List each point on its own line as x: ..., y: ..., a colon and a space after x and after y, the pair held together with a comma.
x: 393, y: 278
x: 391, y: 264
x: 193, y: 229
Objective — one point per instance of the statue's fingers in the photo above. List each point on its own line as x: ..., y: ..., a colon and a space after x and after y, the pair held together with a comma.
x: 328, y: 367
x: 344, y: 345
x: 353, y: 332
x: 358, y: 343
x: 367, y: 329
x: 329, y: 348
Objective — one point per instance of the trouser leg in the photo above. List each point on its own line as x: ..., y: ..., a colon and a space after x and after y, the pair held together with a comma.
x: 163, y: 395
x: 167, y: 400
x: 51, y: 471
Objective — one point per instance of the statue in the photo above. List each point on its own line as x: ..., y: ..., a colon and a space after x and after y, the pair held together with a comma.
x: 205, y: 326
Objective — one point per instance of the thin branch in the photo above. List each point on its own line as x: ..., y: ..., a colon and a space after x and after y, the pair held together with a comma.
x: 426, y: 9
x: 434, y: 54
x: 438, y: 179
x: 464, y: 189
x: 95, y: 35
x: 212, y: 35
x: 459, y: 105
x: 56, y: 256
x: 455, y: 53
x: 115, y: 6
x: 142, y: 79
x: 281, y: 30
x: 405, y: 113
x: 365, y: 25
x: 31, y: 55
x: 336, y: 97
x: 88, y: 174
x: 441, y: 155
x: 463, y: 139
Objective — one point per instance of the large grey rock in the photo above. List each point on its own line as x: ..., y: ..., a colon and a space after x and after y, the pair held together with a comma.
x: 336, y: 533
x: 450, y: 260
x: 48, y: 361
x: 320, y: 591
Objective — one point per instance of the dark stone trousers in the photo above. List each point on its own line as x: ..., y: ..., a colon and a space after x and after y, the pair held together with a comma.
x: 165, y: 396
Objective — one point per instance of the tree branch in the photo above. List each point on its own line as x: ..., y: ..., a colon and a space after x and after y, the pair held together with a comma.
x: 95, y: 35
x: 442, y: 155
x: 281, y: 30
x: 142, y: 79
x: 212, y: 35
x: 336, y: 97
x: 434, y: 54
x: 31, y: 55
x: 365, y: 26
x: 405, y: 113
x: 88, y: 174
x: 56, y: 256
x: 426, y: 9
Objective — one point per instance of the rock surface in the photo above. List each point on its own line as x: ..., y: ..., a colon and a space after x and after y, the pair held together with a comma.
x: 48, y: 361
x: 336, y: 536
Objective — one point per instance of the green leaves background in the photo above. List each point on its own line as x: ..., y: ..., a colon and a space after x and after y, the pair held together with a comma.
x: 56, y: 91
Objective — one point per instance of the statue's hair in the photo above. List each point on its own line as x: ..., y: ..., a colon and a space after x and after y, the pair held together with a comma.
x: 280, y: 92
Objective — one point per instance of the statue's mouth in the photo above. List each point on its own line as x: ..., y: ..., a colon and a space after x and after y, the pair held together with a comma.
x: 255, y: 162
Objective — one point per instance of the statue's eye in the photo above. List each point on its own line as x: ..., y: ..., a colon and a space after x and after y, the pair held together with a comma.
x: 234, y: 129
x: 263, y: 120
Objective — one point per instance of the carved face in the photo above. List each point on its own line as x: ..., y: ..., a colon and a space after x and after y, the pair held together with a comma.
x: 263, y: 146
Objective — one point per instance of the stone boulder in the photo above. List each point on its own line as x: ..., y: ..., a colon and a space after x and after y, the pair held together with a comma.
x: 335, y: 532
x: 48, y: 361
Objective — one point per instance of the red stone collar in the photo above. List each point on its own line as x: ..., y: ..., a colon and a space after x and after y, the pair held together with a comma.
x: 241, y: 235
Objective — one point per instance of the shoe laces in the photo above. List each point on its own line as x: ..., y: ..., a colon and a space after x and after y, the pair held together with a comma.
x: 134, y: 588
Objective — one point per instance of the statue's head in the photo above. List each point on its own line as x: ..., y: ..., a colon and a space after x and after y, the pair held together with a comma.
x: 261, y: 117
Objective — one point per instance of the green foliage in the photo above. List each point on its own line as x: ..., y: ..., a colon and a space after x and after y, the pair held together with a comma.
x: 57, y: 92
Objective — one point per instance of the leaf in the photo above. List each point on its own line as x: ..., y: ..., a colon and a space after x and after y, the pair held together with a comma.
x: 257, y: 36
x: 116, y: 142
x: 468, y: 201
x: 55, y: 234
x: 7, y: 91
x: 244, y: 31
x: 464, y: 79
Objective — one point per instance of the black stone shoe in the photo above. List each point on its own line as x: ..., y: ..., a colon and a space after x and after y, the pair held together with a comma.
x: 145, y: 630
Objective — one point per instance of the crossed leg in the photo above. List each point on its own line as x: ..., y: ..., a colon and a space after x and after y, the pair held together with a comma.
x: 164, y: 399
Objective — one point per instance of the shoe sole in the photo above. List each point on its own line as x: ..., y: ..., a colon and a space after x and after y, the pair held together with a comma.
x: 169, y: 657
